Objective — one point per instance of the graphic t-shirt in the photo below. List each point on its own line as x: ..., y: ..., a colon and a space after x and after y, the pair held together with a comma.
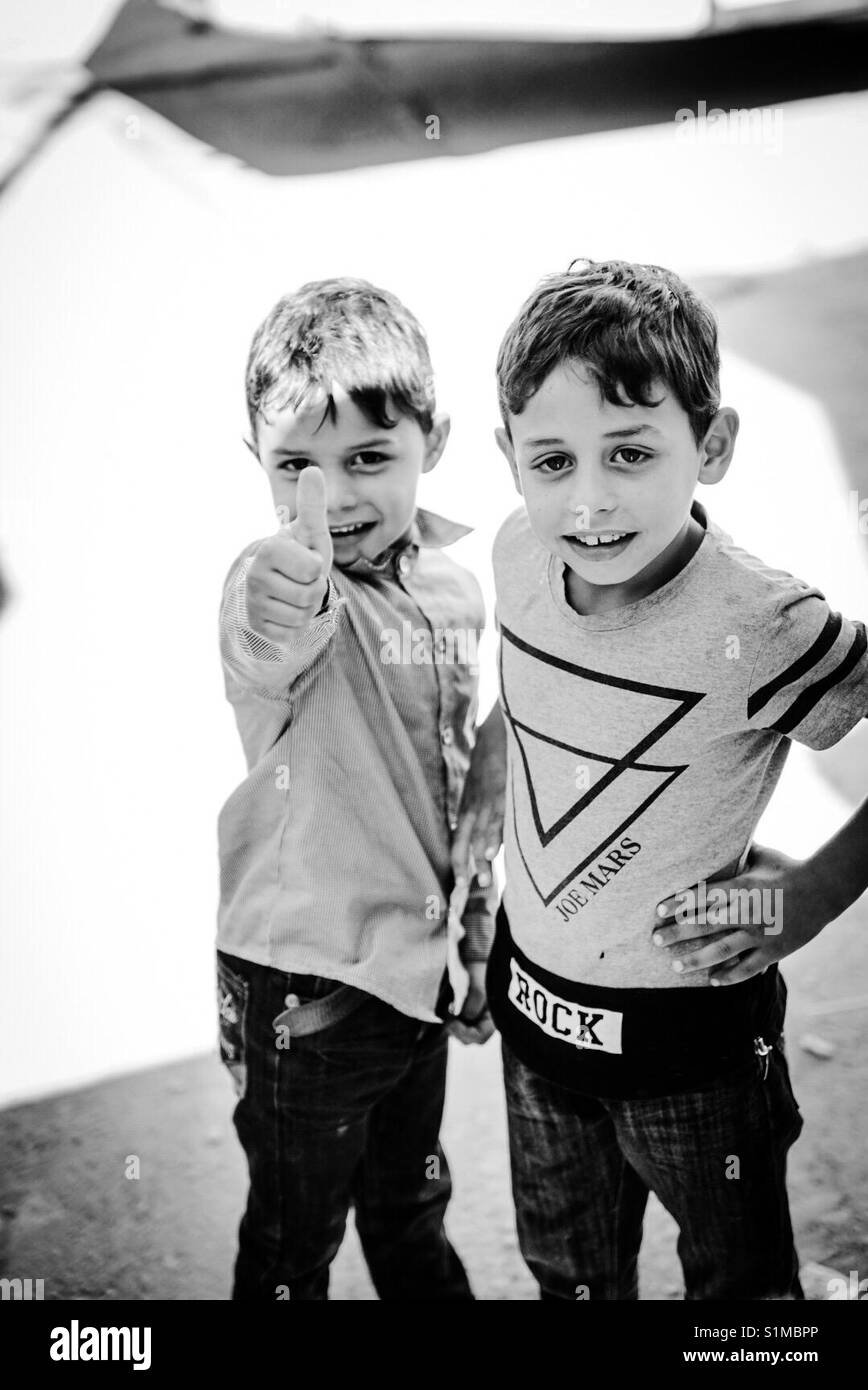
x: 644, y: 745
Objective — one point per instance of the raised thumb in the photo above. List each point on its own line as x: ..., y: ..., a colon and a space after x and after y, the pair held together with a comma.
x: 310, y: 527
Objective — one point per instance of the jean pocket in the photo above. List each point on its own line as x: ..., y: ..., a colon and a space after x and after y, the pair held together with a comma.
x: 314, y: 1003
x: 233, y: 992
x: 784, y: 1109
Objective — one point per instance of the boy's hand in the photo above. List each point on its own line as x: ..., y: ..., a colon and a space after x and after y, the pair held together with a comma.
x: 288, y: 580
x: 474, y: 1024
x: 479, y: 833
x: 751, y: 932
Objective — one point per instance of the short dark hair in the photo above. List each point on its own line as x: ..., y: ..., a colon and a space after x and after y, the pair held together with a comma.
x: 344, y: 331
x: 629, y: 324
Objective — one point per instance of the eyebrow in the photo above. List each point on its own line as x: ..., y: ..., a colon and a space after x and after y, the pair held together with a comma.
x: 624, y: 432
x: 376, y: 443
x: 631, y: 430
x: 352, y: 449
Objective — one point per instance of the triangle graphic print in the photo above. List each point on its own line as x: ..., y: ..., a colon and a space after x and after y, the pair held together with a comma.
x: 558, y: 778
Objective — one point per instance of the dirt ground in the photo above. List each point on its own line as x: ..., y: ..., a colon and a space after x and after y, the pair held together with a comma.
x: 69, y: 1215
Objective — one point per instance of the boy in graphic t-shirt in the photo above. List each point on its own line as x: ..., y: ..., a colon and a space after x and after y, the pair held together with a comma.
x: 652, y: 675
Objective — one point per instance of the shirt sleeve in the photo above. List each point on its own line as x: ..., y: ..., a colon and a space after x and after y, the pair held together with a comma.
x: 810, y: 679
x: 253, y: 660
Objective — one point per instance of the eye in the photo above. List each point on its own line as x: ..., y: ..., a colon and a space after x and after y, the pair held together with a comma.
x: 369, y: 458
x: 630, y: 455
x: 293, y: 466
x: 554, y: 463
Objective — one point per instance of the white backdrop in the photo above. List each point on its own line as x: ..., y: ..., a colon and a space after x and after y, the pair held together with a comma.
x: 136, y: 264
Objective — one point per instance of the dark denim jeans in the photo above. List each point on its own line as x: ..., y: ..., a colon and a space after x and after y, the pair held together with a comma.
x: 340, y: 1099
x: 582, y: 1169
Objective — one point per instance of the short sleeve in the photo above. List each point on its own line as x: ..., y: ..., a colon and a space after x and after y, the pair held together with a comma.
x: 508, y: 537
x: 810, y: 680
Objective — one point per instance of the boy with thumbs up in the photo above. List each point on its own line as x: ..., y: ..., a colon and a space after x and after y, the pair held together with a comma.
x: 335, y: 849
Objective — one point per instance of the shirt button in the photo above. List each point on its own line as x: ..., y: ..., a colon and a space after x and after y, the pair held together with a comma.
x: 453, y: 823
x: 292, y: 1001
x: 447, y: 736
x: 403, y: 565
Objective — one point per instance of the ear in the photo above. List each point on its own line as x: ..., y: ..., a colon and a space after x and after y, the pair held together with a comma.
x: 504, y: 444
x: 248, y: 444
x: 435, y: 442
x: 718, y: 445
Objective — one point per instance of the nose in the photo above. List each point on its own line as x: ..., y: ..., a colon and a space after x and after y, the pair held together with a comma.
x: 341, y: 496
x: 593, y: 498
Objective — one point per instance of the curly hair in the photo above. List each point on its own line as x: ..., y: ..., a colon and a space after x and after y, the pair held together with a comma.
x: 342, y: 331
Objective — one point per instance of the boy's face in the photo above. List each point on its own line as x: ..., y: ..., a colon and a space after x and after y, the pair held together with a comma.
x: 371, y: 474
x: 588, y: 469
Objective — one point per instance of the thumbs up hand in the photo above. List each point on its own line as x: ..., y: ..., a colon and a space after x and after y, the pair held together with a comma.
x: 288, y: 580
x: 310, y: 527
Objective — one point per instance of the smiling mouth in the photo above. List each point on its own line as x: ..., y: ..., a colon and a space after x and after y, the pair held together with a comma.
x: 600, y: 545
x: 354, y: 528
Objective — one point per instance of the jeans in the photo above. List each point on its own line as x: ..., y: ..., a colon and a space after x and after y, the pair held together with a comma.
x: 340, y: 1099
x: 582, y: 1169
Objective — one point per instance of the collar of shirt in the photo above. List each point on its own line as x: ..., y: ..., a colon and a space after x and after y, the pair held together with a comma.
x: 426, y: 528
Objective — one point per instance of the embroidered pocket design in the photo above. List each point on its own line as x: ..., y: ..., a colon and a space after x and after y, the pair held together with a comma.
x: 232, y: 993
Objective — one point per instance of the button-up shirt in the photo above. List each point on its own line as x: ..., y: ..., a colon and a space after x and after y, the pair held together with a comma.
x: 357, y: 731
